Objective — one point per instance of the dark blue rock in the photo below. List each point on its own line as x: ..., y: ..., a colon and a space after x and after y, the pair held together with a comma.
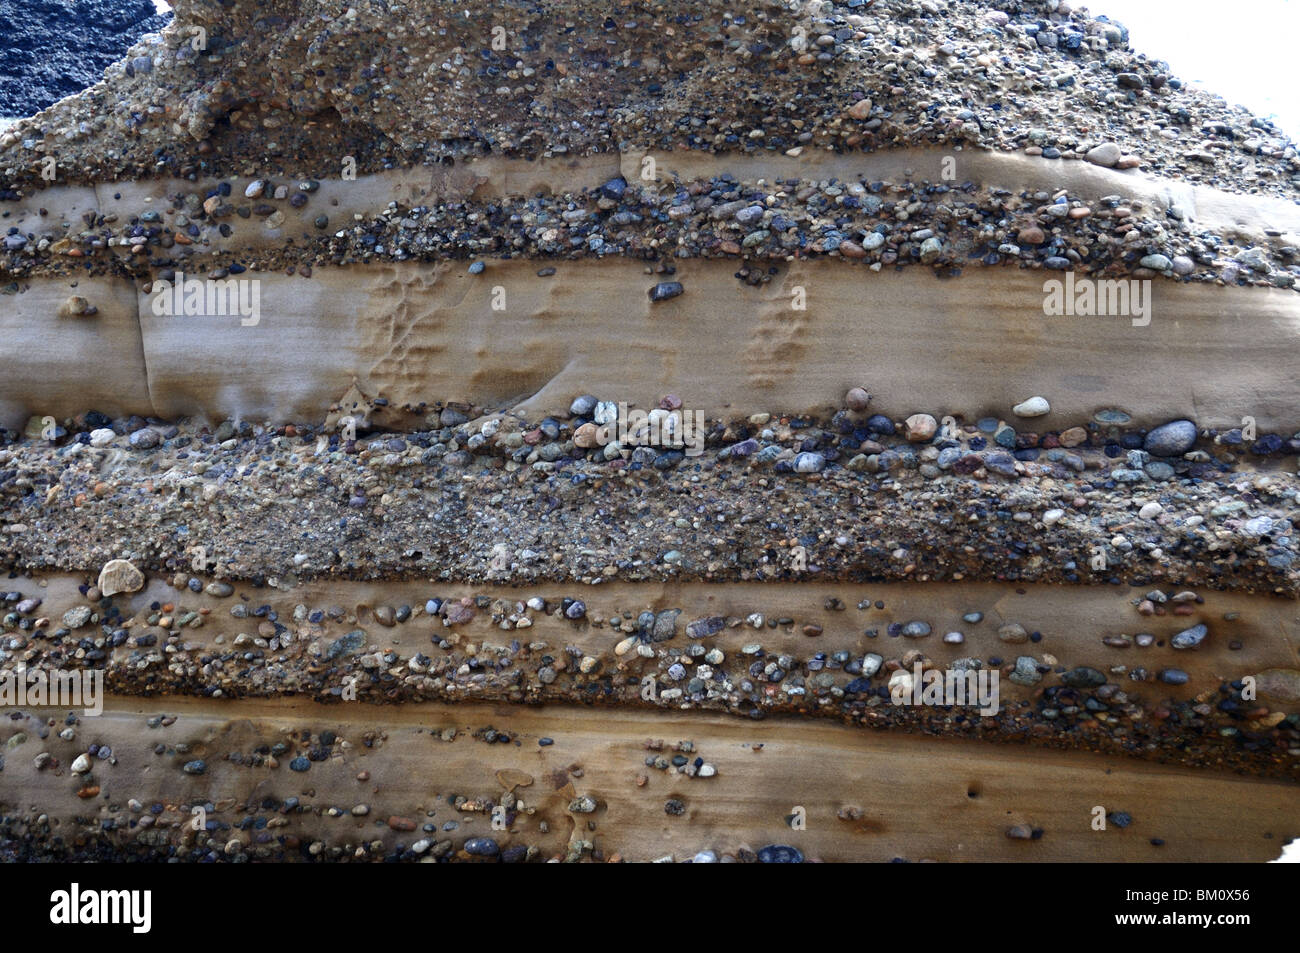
x: 482, y: 847
x: 614, y: 188
x: 1173, y: 676
x: 299, y: 764
x: 879, y: 423
x: 702, y: 628
x: 665, y: 290
x: 1003, y: 464
x: 780, y: 854
x: 346, y: 644
x: 1269, y: 443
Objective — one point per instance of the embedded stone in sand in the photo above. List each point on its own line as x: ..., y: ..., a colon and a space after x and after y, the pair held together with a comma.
x: 1033, y: 407
x: 118, y: 575
x: 77, y: 307
x: 857, y: 399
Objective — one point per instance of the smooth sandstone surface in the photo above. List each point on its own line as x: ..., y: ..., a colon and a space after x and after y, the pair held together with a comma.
x: 63, y: 365
x: 415, y: 332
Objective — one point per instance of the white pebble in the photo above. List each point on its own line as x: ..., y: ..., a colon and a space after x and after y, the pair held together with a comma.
x: 1033, y: 407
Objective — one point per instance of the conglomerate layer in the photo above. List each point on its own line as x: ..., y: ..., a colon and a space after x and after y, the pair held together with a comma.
x: 347, y: 429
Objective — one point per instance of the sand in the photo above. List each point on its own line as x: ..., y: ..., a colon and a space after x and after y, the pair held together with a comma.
x: 920, y: 798
x: 414, y: 333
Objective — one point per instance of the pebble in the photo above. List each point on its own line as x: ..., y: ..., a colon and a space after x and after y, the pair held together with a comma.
x: 1172, y: 439
x: 780, y: 854
x: 665, y: 290
x: 1083, y: 677
x: 920, y: 427
x: 146, y: 438
x: 1280, y: 683
x: 809, y: 463
x: 78, y: 616
x: 1107, y: 154
x: 1013, y: 633
x: 857, y: 399
x: 1190, y: 638
x: 1151, y: 510
x: 1026, y: 671
x: 1033, y: 407
x: 482, y: 847
x: 119, y: 576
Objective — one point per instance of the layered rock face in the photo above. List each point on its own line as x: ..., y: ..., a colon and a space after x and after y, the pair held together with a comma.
x: 428, y: 377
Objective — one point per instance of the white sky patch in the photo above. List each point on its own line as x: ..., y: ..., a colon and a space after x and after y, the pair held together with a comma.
x: 1290, y: 853
x: 1243, y: 51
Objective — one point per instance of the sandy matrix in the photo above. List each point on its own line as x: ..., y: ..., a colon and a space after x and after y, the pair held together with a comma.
x: 360, y: 577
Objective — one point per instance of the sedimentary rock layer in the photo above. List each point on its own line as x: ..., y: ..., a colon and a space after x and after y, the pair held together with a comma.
x: 417, y: 333
x: 424, y: 781
x: 371, y: 576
